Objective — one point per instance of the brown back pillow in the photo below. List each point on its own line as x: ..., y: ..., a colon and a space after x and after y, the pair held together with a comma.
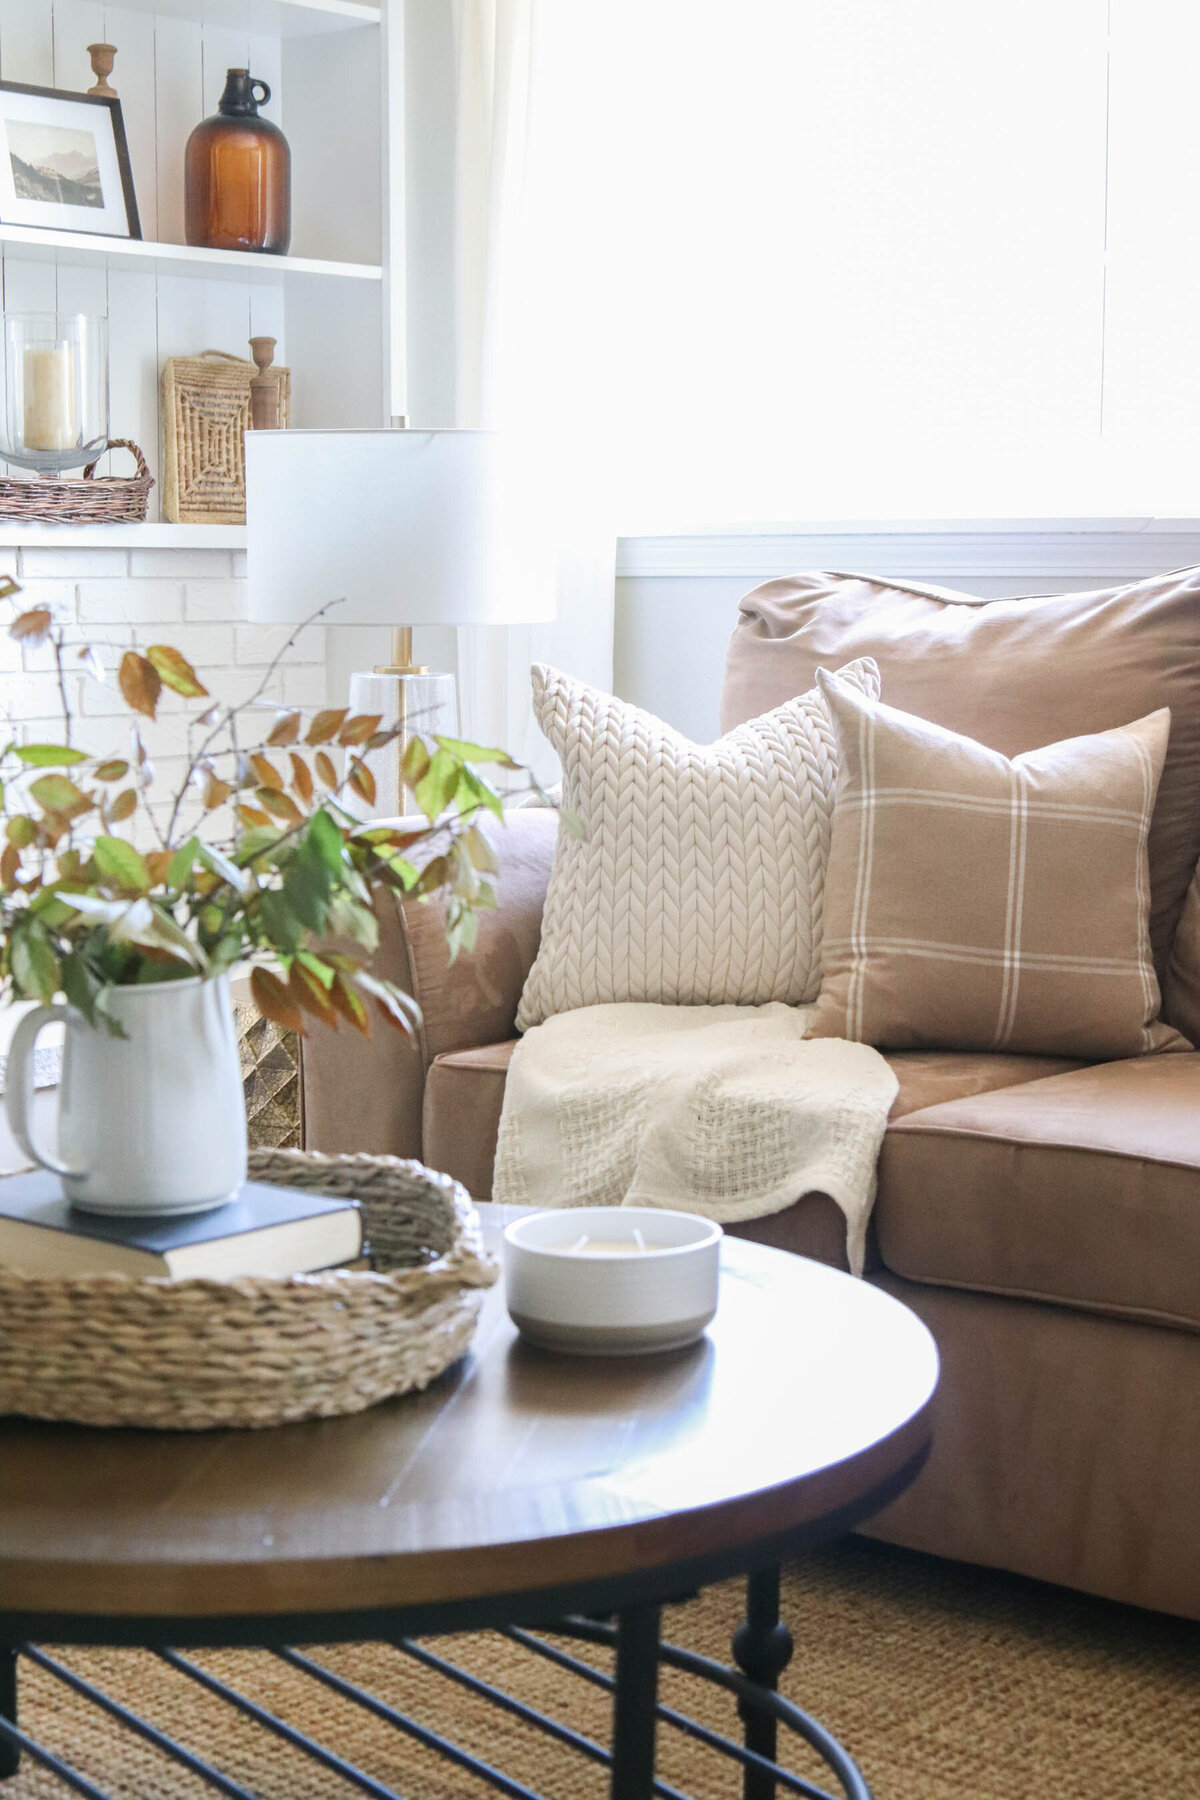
x: 1013, y: 674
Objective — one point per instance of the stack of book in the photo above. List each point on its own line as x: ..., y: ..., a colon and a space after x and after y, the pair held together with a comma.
x: 264, y: 1230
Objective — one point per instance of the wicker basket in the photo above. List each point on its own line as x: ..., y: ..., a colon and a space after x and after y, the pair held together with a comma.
x: 112, y: 500
x: 205, y: 418
x: 262, y: 1350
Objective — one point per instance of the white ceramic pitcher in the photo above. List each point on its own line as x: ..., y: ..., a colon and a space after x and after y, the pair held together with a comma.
x: 152, y: 1122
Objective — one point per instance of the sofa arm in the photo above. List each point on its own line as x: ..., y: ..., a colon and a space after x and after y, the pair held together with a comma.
x: 367, y: 1094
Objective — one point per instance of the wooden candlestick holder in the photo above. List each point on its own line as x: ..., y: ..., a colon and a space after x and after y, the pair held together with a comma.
x: 264, y: 386
x: 102, y: 57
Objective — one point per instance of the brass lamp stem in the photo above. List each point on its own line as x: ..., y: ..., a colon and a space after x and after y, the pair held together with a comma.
x: 402, y: 662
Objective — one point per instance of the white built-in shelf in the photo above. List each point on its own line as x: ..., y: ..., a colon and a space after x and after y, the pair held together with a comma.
x: 84, y: 248
x: 271, y: 18
x: 15, y: 534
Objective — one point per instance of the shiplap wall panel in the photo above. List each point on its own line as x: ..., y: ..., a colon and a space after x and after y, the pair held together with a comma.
x: 133, y: 370
x: 221, y: 50
x: 133, y: 77
x: 178, y: 98
x: 74, y: 25
x: 26, y: 41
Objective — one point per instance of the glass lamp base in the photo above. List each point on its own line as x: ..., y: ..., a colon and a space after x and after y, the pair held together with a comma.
x: 425, y: 705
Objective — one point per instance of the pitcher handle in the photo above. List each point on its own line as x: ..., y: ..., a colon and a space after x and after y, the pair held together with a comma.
x: 18, y: 1096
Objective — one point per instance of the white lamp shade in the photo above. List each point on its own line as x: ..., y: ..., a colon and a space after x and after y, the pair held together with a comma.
x: 403, y: 527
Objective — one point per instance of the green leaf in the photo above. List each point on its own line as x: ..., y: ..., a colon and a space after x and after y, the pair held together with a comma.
x: 351, y: 919
x: 473, y: 792
x: 116, y: 860
x: 176, y: 671
x: 436, y: 787
x: 257, y: 841
x: 49, y: 756
x: 220, y: 866
x: 179, y: 869
x: 55, y: 793
x: 51, y: 910
x: 318, y: 967
x: 307, y: 885
x: 35, y: 967
x: 279, y: 928
x: 325, y: 837
x: 81, y: 985
x: 475, y: 753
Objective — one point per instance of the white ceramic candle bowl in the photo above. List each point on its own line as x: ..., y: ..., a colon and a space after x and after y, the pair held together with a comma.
x: 612, y: 1280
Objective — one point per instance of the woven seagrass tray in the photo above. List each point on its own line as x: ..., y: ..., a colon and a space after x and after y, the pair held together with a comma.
x: 112, y: 500
x: 205, y: 418
x: 261, y: 1350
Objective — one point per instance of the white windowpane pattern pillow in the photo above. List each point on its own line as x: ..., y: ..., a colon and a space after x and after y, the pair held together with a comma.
x: 700, y: 877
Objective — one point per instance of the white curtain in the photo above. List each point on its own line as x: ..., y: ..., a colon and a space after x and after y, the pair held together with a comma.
x: 514, y: 357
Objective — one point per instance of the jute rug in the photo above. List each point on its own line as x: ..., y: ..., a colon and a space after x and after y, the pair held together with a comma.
x: 947, y: 1683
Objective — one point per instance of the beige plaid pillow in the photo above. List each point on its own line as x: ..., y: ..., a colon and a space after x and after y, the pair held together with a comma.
x: 974, y: 902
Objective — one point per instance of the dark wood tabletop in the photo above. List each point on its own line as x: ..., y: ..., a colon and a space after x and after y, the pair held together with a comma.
x: 518, y: 1470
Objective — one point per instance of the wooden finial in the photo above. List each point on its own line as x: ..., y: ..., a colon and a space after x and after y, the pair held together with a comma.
x: 102, y: 56
x: 264, y: 386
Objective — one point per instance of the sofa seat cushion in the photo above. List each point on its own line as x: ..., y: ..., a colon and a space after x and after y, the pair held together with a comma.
x: 1082, y: 1188
x: 464, y: 1094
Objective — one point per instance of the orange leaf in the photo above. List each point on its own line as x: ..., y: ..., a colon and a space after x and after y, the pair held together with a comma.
x: 32, y: 626
x: 358, y: 729
x: 362, y: 781
x: 273, y: 1000
x: 112, y: 771
x: 281, y: 805
x: 326, y: 725
x: 250, y: 815
x: 10, y: 862
x: 350, y: 1005
x: 268, y: 774
x: 124, y: 806
x: 285, y: 730
x: 140, y: 683
x: 308, y: 993
x: 158, y: 862
x: 302, y: 781
x: 177, y: 671
x: 325, y: 770
x: 216, y: 791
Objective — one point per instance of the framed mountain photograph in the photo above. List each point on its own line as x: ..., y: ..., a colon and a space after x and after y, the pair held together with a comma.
x: 64, y: 162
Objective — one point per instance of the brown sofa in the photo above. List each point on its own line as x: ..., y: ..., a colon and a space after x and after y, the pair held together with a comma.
x: 1042, y: 1217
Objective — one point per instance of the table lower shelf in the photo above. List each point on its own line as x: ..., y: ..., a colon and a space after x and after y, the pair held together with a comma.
x: 762, y: 1647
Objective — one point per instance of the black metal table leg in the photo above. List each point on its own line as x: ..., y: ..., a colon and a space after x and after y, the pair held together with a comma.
x: 762, y: 1649
x: 10, y: 1754
x: 634, y: 1703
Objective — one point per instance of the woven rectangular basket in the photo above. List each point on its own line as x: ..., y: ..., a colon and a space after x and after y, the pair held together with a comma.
x: 52, y: 500
x: 205, y: 418
x: 261, y: 1350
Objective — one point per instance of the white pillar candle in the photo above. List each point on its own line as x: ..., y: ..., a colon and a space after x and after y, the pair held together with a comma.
x: 50, y: 398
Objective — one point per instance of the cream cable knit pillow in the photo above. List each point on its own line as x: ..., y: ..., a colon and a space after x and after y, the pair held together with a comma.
x: 700, y: 878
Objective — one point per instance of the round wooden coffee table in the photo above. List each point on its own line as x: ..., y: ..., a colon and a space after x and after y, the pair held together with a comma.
x: 523, y: 1489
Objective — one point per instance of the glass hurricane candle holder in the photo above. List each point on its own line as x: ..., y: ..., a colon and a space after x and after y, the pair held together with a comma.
x: 56, y: 367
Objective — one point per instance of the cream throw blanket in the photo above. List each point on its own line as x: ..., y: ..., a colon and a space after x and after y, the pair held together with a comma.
x: 727, y: 1111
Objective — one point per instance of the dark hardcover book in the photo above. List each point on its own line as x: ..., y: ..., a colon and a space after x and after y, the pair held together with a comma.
x: 263, y: 1231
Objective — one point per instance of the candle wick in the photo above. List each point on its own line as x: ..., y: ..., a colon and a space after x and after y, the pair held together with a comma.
x: 638, y: 1239
x: 577, y: 1246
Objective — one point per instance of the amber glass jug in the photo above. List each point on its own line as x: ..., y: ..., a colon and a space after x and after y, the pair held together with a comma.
x: 238, y: 174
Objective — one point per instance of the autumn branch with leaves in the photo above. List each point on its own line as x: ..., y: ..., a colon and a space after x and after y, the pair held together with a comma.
x: 288, y: 887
